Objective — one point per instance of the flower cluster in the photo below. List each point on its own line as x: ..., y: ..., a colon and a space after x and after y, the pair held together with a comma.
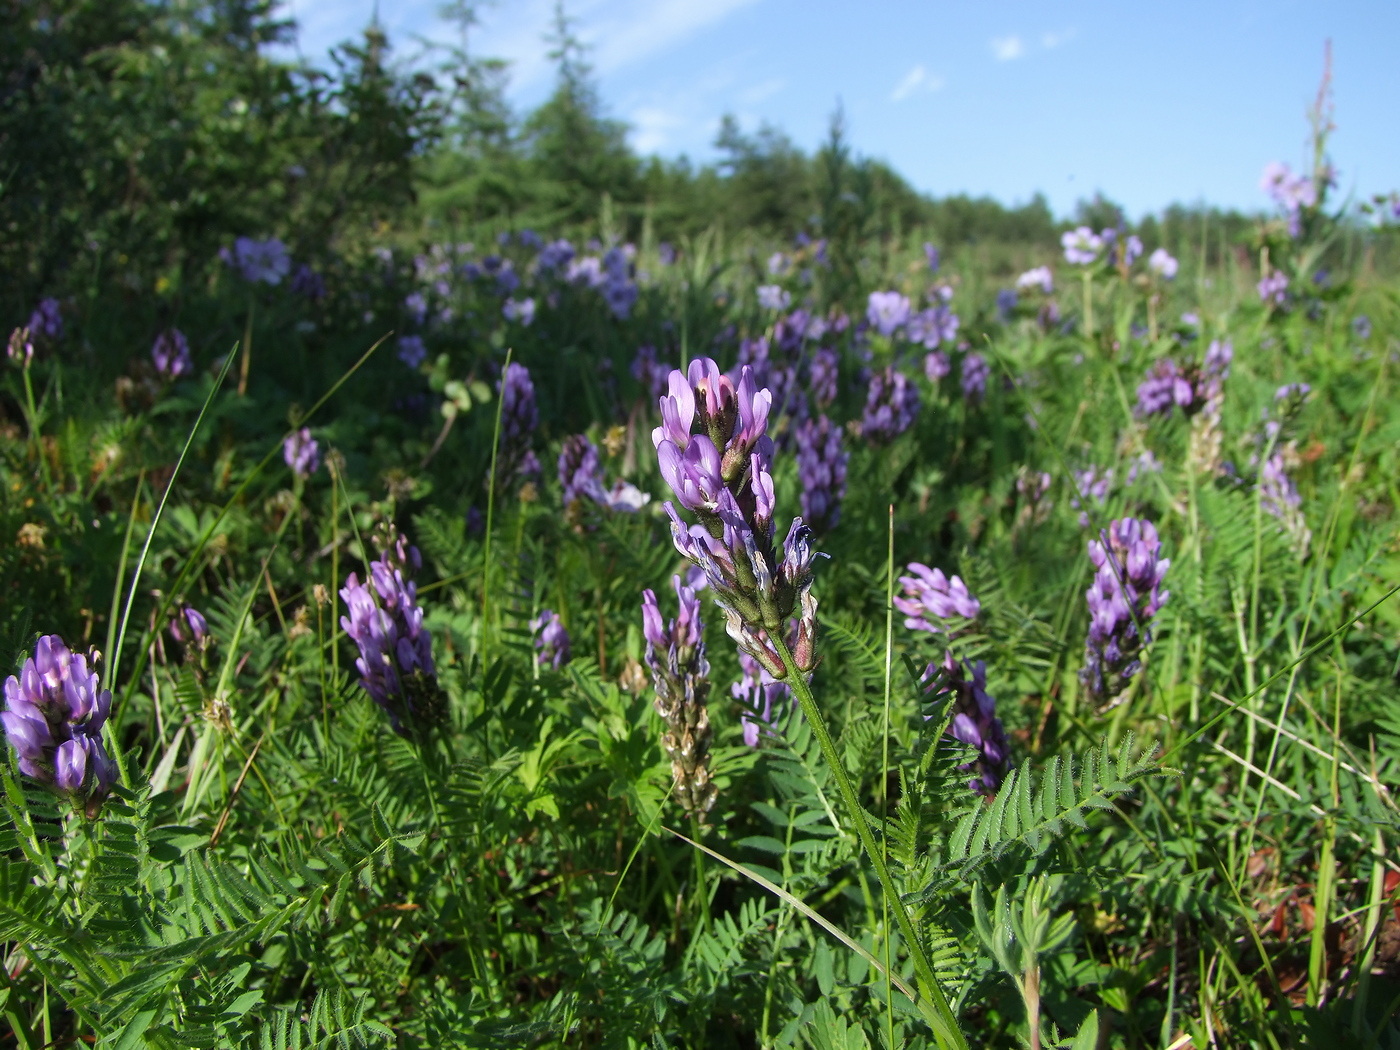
x: 1038, y: 278
x: 887, y: 311
x: 551, y: 640
x: 1189, y: 387
x: 714, y: 452
x: 1091, y: 488
x: 46, y: 322
x: 20, y: 350
x: 680, y: 674
x: 519, y: 417
x: 396, y: 652
x: 821, y: 469
x: 974, y: 720
x: 1278, y: 495
x: 1290, y: 191
x: 931, y: 598
x: 1273, y: 288
x: 774, y: 297
x: 1163, y: 264
x: 581, y: 478
x: 891, y: 404
x: 522, y: 310
x: 610, y: 274
x: 258, y: 262
x: 1124, y: 596
x: 759, y: 694
x: 53, y: 717
x: 171, y: 354
x: 1082, y: 246
x: 973, y: 378
x: 302, y: 453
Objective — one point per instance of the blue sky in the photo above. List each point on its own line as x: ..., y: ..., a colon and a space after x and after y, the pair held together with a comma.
x: 1148, y: 103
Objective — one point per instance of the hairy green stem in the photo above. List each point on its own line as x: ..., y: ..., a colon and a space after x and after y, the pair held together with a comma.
x: 933, y: 1003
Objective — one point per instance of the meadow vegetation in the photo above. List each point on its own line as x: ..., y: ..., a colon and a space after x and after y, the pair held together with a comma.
x: 466, y: 585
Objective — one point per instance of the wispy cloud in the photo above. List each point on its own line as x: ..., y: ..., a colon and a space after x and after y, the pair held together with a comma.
x: 646, y: 28
x: 917, y: 79
x: 1008, y: 48
x: 1055, y: 38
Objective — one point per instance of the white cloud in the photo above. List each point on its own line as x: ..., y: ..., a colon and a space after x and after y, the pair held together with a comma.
x: 651, y: 27
x: 1008, y: 48
x: 1055, y: 38
x: 917, y: 79
x: 652, y: 127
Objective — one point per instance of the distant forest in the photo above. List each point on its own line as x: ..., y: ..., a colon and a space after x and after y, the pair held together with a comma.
x: 141, y: 136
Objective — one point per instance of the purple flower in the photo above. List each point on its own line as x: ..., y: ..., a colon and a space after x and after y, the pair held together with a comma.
x: 650, y: 372
x: 974, y: 720
x: 933, y: 326
x: 620, y: 295
x: 821, y: 469
x: 973, y: 379
x: 396, y: 652
x: 1082, y: 246
x: 714, y: 452
x: 666, y: 253
x: 680, y: 674
x: 937, y: 365
x: 554, y: 255
x: 53, y: 717
x: 519, y: 417
x: 580, y: 475
x: 1361, y: 326
x: 411, y: 350
x: 759, y: 693
x: 171, y: 354
x: 1165, y: 387
x: 189, y: 628
x: 823, y: 375
x: 307, y: 282
x: 1124, y: 596
x: 1162, y: 264
x: 417, y: 306
x: 1291, y: 192
x: 551, y: 639
x: 930, y: 598
x: 46, y: 322
x: 931, y: 256
x: 1091, y: 488
x: 1294, y: 393
x: 1273, y: 288
x: 259, y: 262
x: 1132, y: 249
x: 522, y: 310
x: 887, y: 311
x: 773, y: 297
x: 1039, y: 277
x: 891, y: 403
x: 1006, y: 304
x: 302, y: 453
x: 20, y: 350
x: 778, y: 264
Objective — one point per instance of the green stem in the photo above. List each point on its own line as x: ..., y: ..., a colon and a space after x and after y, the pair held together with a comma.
x: 491, y: 510
x: 933, y: 1004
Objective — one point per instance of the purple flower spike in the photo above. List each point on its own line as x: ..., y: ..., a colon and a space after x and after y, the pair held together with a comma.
x: 824, y: 375
x: 974, y: 720
x: 171, y: 354
x: 580, y: 475
x: 396, y: 651
x: 53, y: 718
x: 890, y: 406
x: 680, y: 674
x: 714, y: 453
x: 1273, y: 288
x: 930, y: 598
x: 821, y: 468
x: 519, y: 417
x: 973, y: 379
x: 302, y: 453
x: 259, y: 262
x: 46, y: 322
x: 1125, y: 595
x: 551, y: 639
